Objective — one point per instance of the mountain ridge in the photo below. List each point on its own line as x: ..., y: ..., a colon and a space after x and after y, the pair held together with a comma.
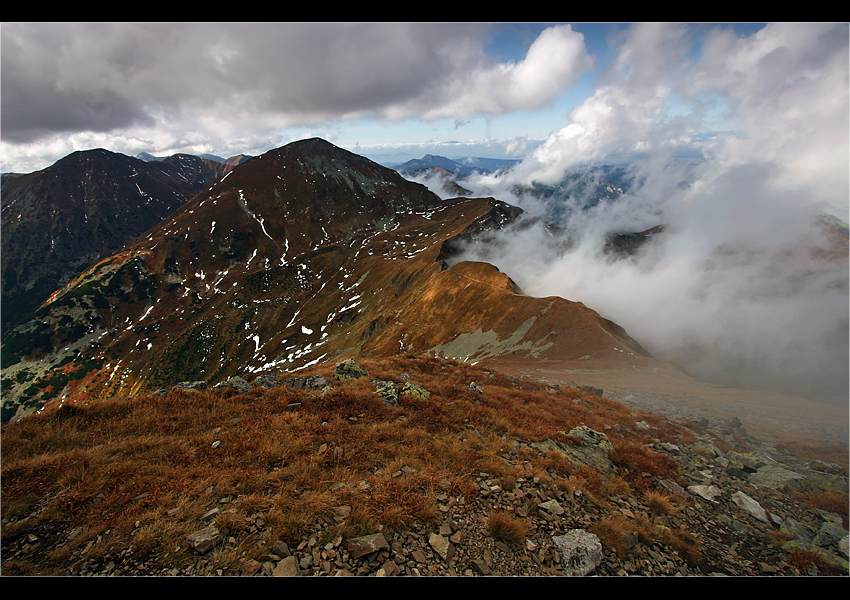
x: 58, y: 220
x: 305, y: 253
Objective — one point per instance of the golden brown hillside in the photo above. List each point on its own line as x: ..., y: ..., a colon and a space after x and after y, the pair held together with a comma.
x: 457, y: 469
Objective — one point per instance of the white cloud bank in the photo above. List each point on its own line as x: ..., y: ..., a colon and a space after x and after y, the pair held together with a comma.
x: 730, y: 289
x: 233, y: 86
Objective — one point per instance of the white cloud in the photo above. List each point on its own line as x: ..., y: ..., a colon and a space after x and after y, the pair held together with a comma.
x: 730, y: 289
x: 215, y: 83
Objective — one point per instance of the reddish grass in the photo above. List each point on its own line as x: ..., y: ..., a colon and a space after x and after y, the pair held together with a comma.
x: 506, y: 527
x: 804, y: 561
x: 115, y: 463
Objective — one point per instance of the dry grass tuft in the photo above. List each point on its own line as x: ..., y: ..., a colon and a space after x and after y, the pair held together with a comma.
x: 806, y: 561
x: 642, y: 464
x: 834, y: 502
x: 616, y: 532
x: 659, y: 503
x: 505, y: 527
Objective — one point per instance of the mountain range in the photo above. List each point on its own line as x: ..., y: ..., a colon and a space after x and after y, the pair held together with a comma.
x: 197, y: 270
x: 455, y: 168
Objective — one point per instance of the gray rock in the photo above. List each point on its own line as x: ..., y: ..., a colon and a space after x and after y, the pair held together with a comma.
x: 593, y: 390
x: 580, y: 552
x: 707, y: 492
x: 237, y: 383
x: 800, y: 532
x: 361, y: 546
x: 589, y: 437
x: 749, y: 505
x: 316, y: 382
x: 387, y: 390
x: 266, y: 381
x: 288, y: 567
x: 829, y: 534
x: 415, y: 390
x: 204, y: 540
x: 773, y: 476
x: 349, y: 369
x: 190, y: 385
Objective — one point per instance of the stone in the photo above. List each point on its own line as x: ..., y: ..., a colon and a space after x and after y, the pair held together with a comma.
x: 210, y: 514
x: 387, y: 390
x: 414, y: 390
x: 590, y: 389
x: 265, y: 381
x: 204, y: 540
x: 589, y: 437
x: 749, y: 505
x: 348, y: 370
x: 707, y: 492
x: 441, y: 546
x: 251, y: 567
x: 288, y: 567
x: 361, y: 546
x: 237, y: 383
x: 317, y: 382
x: 580, y: 552
x: 552, y: 507
x: 190, y: 385
x: 388, y: 569
x: 481, y: 566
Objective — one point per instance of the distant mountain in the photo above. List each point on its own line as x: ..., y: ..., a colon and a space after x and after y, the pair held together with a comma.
x: 460, y: 167
x: 148, y: 157
x: 229, y: 162
x: 58, y: 220
x: 306, y: 254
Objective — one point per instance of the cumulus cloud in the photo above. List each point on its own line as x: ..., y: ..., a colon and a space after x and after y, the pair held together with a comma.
x: 731, y: 289
x: 220, y: 81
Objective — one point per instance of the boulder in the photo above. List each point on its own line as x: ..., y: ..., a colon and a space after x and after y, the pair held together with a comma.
x: 361, y: 546
x: 349, y: 369
x: 580, y: 552
x: 237, y: 383
x: 414, y: 390
x: 190, y: 385
x: 589, y: 437
x: 387, y: 390
x: 266, y: 381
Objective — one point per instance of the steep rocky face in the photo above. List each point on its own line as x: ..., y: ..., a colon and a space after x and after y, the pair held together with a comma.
x: 306, y: 254
x: 89, y: 204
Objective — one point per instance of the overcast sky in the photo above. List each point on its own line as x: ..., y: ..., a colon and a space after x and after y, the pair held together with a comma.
x: 554, y: 94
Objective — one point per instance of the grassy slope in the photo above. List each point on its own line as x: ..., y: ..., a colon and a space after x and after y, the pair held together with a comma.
x: 145, y: 469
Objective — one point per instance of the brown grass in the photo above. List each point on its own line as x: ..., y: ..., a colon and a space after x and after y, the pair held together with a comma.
x: 834, y: 502
x: 616, y: 533
x: 659, y: 503
x: 805, y: 560
x: 126, y: 465
x: 506, y: 527
x: 642, y: 464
